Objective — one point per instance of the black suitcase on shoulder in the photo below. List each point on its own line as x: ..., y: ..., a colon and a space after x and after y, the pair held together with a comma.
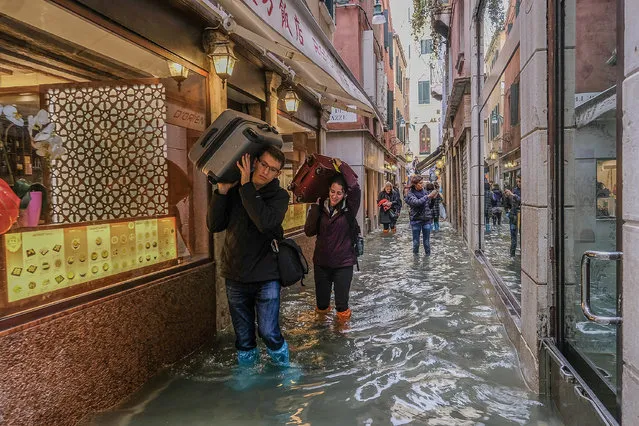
x: 223, y: 143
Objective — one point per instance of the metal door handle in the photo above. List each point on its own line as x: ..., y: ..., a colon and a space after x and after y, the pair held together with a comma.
x: 585, y: 284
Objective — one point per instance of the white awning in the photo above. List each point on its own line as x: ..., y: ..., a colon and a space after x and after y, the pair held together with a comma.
x: 288, y: 29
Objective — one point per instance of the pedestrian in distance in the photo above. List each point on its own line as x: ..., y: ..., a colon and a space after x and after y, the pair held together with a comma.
x: 333, y: 221
x: 389, y: 203
x: 497, y: 204
x: 436, y: 201
x: 513, y: 206
x: 421, y: 216
x: 488, y: 194
x: 252, y: 214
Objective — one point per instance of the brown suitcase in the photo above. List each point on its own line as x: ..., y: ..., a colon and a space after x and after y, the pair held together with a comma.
x: 312, y: 180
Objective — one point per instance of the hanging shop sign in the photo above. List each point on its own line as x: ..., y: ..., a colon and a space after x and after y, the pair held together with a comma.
x: 341, y: 116
x: 185, y: 117
x: 312, y: 58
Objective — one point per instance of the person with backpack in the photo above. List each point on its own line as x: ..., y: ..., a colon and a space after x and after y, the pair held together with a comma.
x: 252, y: 211
x: 419, y: 200
x: 496, y: 203
x: 513, y: 205
x: 389, y: 204
x: 333, y: 221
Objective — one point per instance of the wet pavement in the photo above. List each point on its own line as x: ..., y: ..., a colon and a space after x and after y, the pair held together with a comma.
x: 424, y: 347
x: 497, y: 250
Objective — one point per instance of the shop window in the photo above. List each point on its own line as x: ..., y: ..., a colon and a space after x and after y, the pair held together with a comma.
x: 424, y: 92
x: 606, y: 189
x: 98, y: 152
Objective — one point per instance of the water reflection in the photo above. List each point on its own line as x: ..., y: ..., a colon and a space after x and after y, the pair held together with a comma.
x: 423, y: 347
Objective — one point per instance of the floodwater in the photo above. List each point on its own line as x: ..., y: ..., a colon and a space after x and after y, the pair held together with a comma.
x: 497, y: 250
x: 424, y: 347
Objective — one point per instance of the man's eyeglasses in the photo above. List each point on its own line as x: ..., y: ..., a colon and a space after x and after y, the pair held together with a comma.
x: 266, y: 166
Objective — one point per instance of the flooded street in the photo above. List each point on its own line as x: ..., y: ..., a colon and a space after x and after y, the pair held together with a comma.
x: 424, y: 347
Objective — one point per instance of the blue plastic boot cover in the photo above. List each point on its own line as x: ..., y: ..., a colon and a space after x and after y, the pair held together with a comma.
x: 279, y: 357
x: 248, y: 358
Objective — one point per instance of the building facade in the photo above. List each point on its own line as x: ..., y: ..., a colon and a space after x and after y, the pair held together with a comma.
x: 544, y: 107
x: 110, y: 267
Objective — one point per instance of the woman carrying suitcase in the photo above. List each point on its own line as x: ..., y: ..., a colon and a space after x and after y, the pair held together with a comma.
x: 333, y: 220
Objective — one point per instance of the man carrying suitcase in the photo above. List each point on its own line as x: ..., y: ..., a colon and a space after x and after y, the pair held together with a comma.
x: 252, y: 215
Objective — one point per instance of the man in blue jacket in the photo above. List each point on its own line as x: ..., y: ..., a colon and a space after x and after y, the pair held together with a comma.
x: 252, y: 215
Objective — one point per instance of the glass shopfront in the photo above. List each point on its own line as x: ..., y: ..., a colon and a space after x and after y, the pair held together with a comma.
x: 501, y: 144
x: 590, y: 192
x: 95, y: 133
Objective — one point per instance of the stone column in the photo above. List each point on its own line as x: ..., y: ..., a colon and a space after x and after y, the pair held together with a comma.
x: 536, y: 189
x: 273, y: 82
x: 476, y: 159
x: 218, y: 103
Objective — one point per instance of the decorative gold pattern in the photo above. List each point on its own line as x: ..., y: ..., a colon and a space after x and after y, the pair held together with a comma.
x: 115, y: 166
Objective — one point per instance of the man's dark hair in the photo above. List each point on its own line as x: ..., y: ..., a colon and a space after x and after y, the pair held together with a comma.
x: 274, y: 152
x: 339, y: 179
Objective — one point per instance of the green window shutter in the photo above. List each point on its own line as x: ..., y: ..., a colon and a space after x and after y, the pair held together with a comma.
x: 391, y: 110
x: 514, y: 104
x: 424, y: 92
x: 386, y: 33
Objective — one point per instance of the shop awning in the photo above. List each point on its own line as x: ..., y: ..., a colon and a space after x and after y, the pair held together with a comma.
x: 288, y: 29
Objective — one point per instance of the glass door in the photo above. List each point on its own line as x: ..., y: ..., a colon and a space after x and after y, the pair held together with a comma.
x: 591, y: 190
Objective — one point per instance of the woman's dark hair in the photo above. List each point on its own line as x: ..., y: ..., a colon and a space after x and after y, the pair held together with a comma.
x: 430, y: 186
x: 415, y: 180
x: 496, y: 186
x: 339, y: 179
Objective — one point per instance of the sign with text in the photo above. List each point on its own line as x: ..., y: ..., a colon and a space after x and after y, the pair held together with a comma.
x: 341, y: 116
x: 185, y: 117
x: 288, y: 20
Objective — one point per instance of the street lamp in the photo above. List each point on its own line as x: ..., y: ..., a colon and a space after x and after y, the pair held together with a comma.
x: 409, y: 155
x: 394, y: 167
x: 219, y: 48
x: 378, y: 14
x: 178, y: 72
x: 291, y: 101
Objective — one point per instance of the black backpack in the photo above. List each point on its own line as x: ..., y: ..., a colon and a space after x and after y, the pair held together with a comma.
x: 291, y: 261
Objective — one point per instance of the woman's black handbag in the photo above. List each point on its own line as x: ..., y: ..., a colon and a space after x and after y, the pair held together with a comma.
x: 392, y: 213
x: 290, y: 261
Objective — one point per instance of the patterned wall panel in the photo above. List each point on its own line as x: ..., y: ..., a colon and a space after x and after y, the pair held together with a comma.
x: 115, y: 166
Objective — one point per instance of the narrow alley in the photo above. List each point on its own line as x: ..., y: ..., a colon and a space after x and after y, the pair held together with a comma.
x: 424, y: 346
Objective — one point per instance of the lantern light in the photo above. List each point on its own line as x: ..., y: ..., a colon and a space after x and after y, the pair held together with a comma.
x: 291, y: 101
x: 378, y: 14
x: 409, y: 155
x: 223, y: 59
x: 178, y: 72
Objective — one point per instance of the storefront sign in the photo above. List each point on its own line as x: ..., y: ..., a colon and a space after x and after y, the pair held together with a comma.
x: 341, y: 116
x: 185, y: 117
x: 289, y: 20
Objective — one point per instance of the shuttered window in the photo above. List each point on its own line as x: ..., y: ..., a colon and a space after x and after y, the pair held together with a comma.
x: 391, y: 110
x: 426, y: 46
x: 424, y: 92
x: 514, y: 104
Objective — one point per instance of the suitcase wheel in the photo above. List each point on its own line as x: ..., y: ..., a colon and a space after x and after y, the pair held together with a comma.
x: 292, y: 186
x: 298, y: 198
x: 318, y: 171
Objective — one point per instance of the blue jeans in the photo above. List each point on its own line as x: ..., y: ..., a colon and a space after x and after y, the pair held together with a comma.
x: 247, y: 299
x: 513, y: 238
x: 418, y: 228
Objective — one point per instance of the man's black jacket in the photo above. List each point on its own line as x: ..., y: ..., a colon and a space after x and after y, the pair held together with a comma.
x: 251, y: 218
